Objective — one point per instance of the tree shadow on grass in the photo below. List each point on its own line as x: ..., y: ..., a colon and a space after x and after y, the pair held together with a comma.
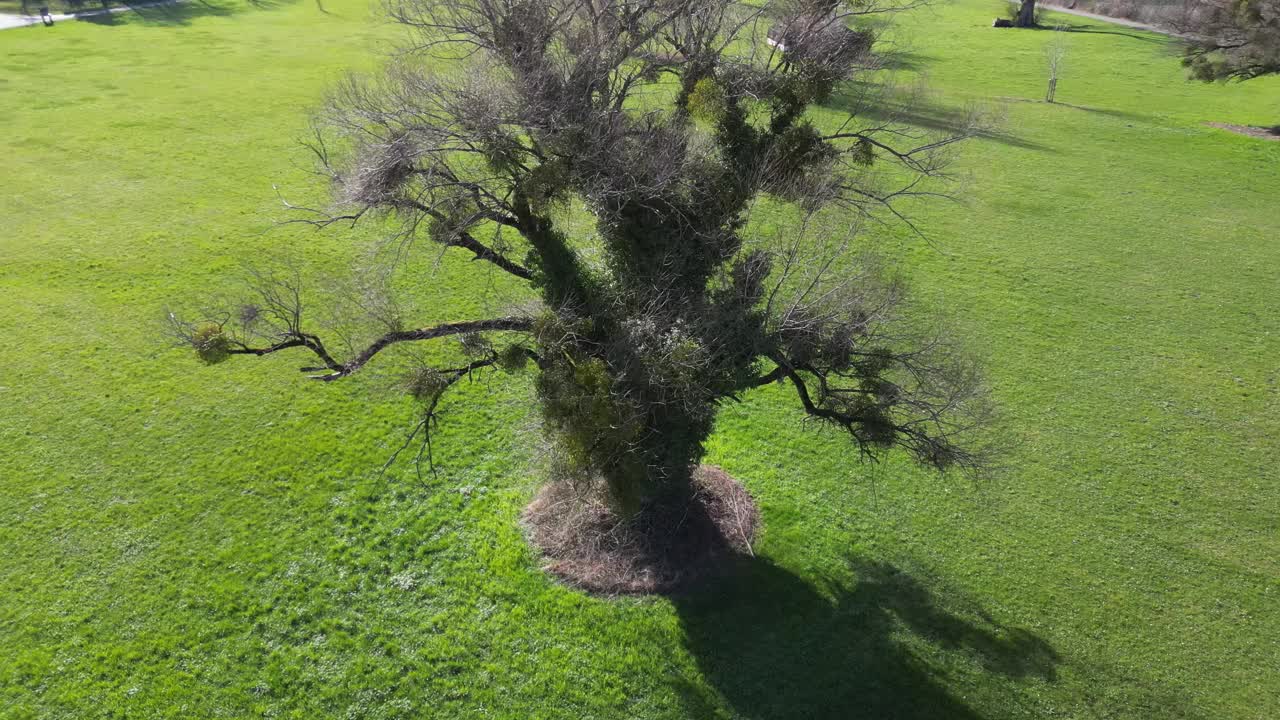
x: 1095, y: 30
x: 906, y: 60
x: 177, y: 13
x: 878, y: 105
x: 1121, y: 114
x: 776, y: 647
x: 101, y: 18
x: 1109, y: 112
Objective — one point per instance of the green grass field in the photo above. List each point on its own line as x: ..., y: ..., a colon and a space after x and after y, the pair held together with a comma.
x: 189, y: 542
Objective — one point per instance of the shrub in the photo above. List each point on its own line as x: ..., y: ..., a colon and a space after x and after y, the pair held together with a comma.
x: 211, y: 344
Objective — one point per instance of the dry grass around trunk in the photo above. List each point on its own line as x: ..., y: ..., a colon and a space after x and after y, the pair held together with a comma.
x: 661, y: 549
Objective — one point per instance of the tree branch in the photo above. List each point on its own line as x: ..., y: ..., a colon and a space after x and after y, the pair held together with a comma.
x: 772, y: 376
x: 467, y: 241
x: 341, y: 370
x: 424, y: 426
x: 351, y: 366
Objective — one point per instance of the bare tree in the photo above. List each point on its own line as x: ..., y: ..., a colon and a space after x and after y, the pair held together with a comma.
x: 1055, y: 57
x: 666, y: 122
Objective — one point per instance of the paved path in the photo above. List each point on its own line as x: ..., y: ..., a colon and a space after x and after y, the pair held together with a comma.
x: 8, y: 21
x: 1113, y: 20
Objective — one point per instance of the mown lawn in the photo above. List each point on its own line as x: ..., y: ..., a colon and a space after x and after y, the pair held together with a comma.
x: 182, y: 541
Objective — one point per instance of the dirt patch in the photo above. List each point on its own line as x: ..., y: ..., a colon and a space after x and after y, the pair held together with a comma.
x: 1272, y: 133
x: 661, y: 549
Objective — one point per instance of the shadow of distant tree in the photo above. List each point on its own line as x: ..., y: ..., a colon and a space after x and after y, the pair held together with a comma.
x: 877, y: 103
x: 776, y: 647
x: 1111, y: 112
x: 1097, y: 30
x: 174, y: 13
x: 905, y: 60
x: 101, y: 19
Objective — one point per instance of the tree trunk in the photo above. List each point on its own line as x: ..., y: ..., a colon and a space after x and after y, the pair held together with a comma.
x: 1026, y: 14
x: 659, y: 463
x: 615, y: 419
